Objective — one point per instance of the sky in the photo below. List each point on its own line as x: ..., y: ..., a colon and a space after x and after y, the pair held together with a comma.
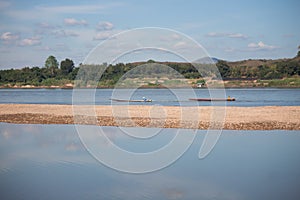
x: 32, y: 30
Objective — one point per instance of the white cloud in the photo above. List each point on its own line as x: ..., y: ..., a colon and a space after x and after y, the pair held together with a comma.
x: 30, y: 41
x: 55, y: 12
x: 43, y: 28
x: 45, y: 48
x: 230, y: 49
x: 62, y: 33
x: 73, y: 9
x: 230, y: 35
x: 180, y: 44
x: 45, y: 25
x: 8, y: 37
x: 105, y: 26
x: 214, y: 34
x: 237, y: 35
x: 74, y: 22
x: 56, y: 31
x: 102, y: 35
x: 261, y: 46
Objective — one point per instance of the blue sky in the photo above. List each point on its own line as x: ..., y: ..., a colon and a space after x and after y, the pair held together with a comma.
x: 32, y: 30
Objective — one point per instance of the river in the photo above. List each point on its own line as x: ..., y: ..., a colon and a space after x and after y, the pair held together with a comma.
x: 55, y: 162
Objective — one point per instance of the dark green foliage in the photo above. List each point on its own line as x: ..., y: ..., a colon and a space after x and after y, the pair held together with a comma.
x: 288, y: 69
x: 224, y: 69
x: 26, y: 75
x: 277, y: 70
x: 109, y: 75
x: 51, y: 62
x: 66, y: 66
x: 40, y: 76
x: 52, y: 65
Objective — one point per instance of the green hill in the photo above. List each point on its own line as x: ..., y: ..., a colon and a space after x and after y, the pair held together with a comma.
x: 245, y: 73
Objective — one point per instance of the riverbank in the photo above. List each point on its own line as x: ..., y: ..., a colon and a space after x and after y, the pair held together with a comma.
x: 292, y: 82
x: 236, y: 118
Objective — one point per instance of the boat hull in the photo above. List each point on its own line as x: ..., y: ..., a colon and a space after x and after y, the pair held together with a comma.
x: 125, y: 100
x: 208, y: 99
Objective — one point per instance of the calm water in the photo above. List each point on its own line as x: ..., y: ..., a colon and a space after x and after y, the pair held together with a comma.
x: 49, y: 162
x: 245, y: 97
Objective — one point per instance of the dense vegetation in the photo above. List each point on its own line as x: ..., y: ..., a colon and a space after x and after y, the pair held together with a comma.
x: 49, y: 75
x: 264, y: 69
x: 60, y: 74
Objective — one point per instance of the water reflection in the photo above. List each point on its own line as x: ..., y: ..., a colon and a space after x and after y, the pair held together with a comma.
x: 49, y: 162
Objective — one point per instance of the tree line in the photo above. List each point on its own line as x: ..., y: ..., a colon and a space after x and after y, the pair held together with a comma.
x: 55, y: 73
x: 277, y: 70
x: 52, y: 73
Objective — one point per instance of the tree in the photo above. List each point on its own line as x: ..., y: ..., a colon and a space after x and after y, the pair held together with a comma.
x: 52, y: 65
x: 51, y: 62
x: 298, y: 55
x: 66, y: 66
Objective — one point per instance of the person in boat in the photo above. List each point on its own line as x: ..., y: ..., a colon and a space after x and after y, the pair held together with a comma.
x: 228, y: 98
x: 146, y: 100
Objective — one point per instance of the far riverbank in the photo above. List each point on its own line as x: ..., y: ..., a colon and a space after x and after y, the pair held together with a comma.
x: 145, y: 83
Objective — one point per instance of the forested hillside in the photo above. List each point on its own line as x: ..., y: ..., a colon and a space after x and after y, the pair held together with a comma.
x: 65, y: 72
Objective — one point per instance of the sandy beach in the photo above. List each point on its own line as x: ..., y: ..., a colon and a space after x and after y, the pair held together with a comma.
x: 234, y: 118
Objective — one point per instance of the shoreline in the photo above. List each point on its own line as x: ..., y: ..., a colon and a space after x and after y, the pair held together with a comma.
x: 146, y: 87
x: 235, y: 118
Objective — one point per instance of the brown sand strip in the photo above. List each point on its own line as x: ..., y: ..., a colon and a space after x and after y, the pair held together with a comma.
x: 236, y: 118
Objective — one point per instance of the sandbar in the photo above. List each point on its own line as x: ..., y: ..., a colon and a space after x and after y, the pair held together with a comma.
x: 202, y: 117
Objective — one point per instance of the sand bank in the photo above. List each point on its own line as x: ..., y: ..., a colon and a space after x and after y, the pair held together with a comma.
x: 235, y: 118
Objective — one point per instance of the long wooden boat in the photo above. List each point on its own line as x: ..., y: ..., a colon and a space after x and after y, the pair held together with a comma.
x: 125, y: 100
x: 209, y: 99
